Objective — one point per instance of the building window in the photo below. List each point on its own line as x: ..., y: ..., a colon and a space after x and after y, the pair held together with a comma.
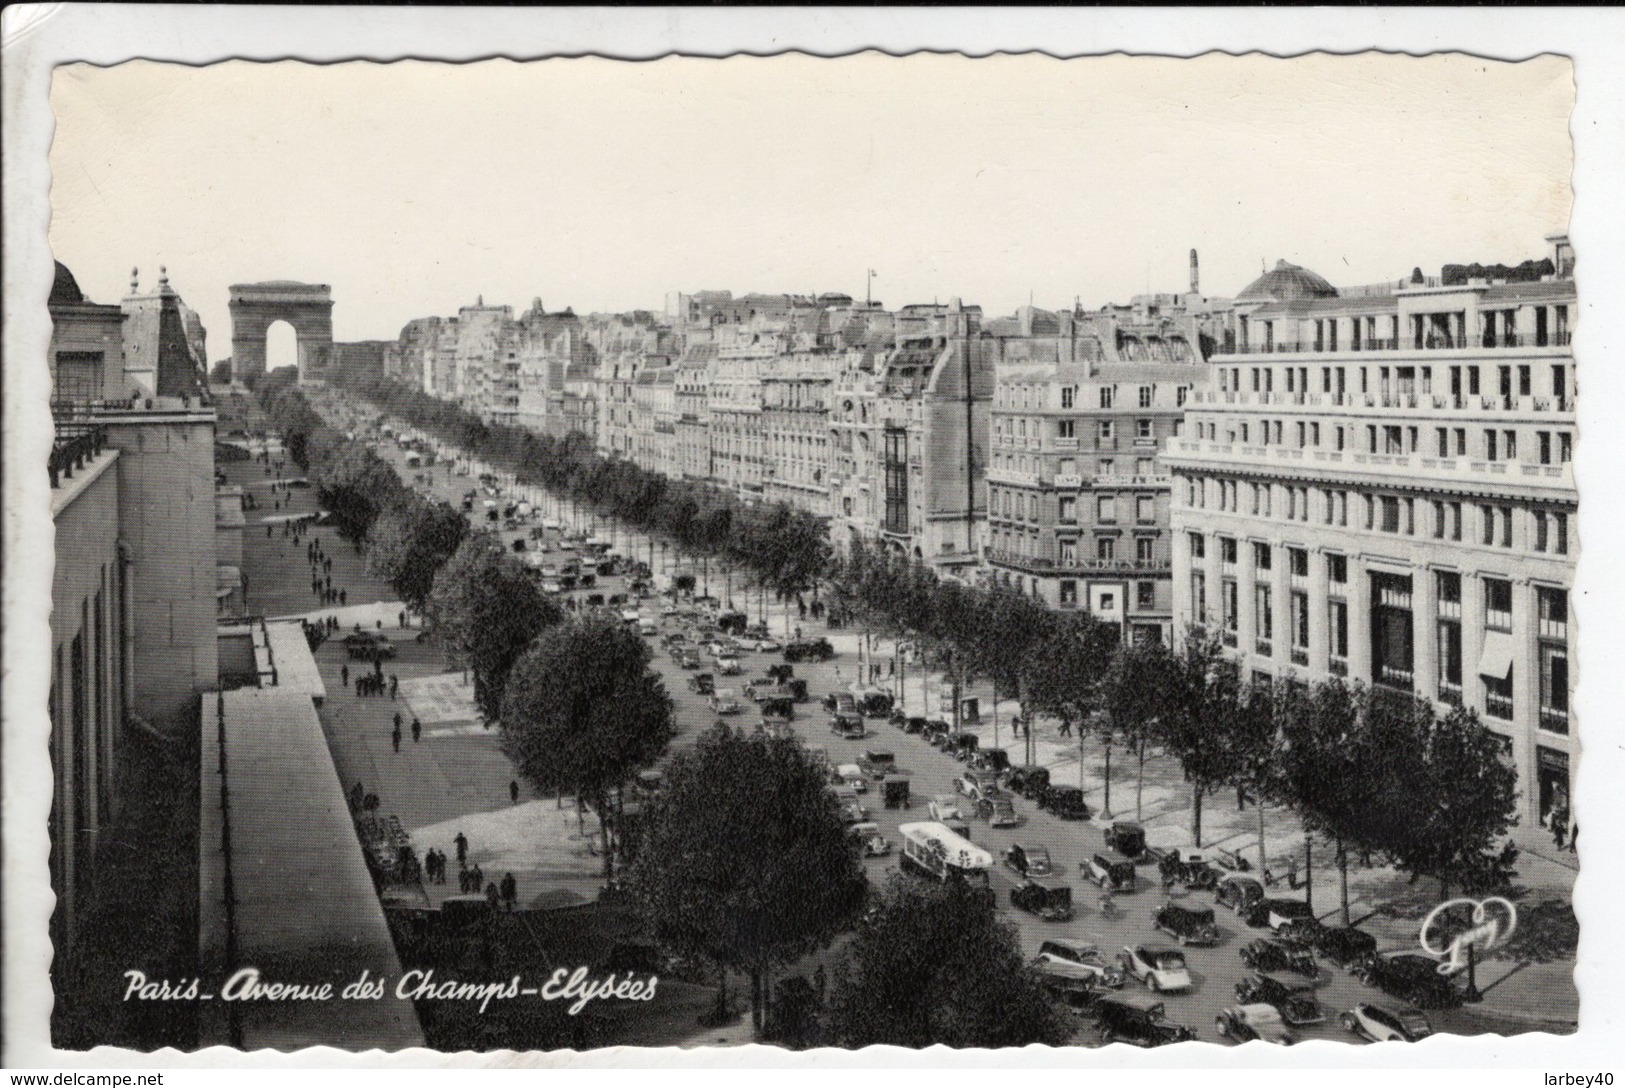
x: 1069, y: 393
x: 1337, y: 631
x: 1145, y: 595
x: 1106, y: 392
x: 1298, y: 562
x: 1069, y: 587
x: 1300, y: 625
x: 1227, y: 604
x: 1337, y: 569
x: 1142, y: 428
x: 1390, y: 514
x: 1227, y: 551
x: 1145, y: 396
x: 1106, y: 548
x: 1198, y: 544
x: 1069, y: 553
x: 1554, y: 687
x: 1145, y: 549
x: 1560, y: 534
x: 1067, y: 511
x: 1065, y: 429
x: 1498, y: 604
x: 1179, y: 396
x: 1392, y: 649
x: 1199, y: 597
x: 1506, y: 526
x: 1261, y: 555
x: 1264, y: 615
x: 1448, y: 652
x: 1145, y: 509
x: 1565, y: 447
x: 1106, y: 432
x: 1486, y: 515
x: 1106, y: 509
x: 1553, y: 612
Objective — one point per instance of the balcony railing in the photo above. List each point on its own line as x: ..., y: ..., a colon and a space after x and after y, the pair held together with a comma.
x: 1449, y: 693
x: 1081, y: 565
x: 1263, y: 646
x: 1134, y: 480
x: 1553, y: 720
x: 1300, y: 656
x: 71, y: 451
x: 1065, y: 443
x: 1433, y: 342
x: 1070, y: 480
x: 1337, y: 666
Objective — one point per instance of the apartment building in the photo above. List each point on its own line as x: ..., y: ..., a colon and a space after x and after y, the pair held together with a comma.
x: 1378, y: 486
x: 691, y: 397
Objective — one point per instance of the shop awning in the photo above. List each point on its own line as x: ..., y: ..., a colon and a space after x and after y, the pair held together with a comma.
x: 1496, y: 658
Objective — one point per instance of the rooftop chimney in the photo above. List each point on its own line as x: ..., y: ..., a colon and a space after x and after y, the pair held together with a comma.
x: 1196, y: 277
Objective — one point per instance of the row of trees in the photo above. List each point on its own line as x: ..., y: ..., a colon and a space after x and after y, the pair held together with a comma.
x: 1440, y: 785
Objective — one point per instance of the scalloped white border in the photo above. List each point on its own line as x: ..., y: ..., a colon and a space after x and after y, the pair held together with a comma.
x: 36, y: 37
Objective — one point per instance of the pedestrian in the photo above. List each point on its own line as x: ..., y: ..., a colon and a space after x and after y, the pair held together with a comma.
x: 397, y: 720
x: 1066, y: 728
x: 513, y: 791
x: 344, y: 675
x: 461, y: 842
x: 394, y: 685
x: 401, y: 619
x: 268, y: 530
x: 417, y: 730
x: 360, y: 682
x: 1292, y: 872
x: 395, y: 739
x: 476, y: 877
x: 462, y: 881
x: 1574, y: 837
x: 344, y: 597
x: 1560, y: 821
x: 379, y: 624
x: 329, y: 581
x: 492, y: 896
x: 510, y: 890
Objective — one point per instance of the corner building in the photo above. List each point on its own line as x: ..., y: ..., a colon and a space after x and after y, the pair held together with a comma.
x: 1379, y: 487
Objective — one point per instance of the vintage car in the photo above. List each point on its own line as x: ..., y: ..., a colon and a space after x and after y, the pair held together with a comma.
x: 1051, y: 902
x: 962, y: 746
x: 1238, y: 892
x: 758, y: 688
x: 852, y: 777
x: 767, y: 644
x: 1344, y: 945
x: 687, y: 659
x: 1030, y: 782
x: 877, y: 764
x: 1028, y: 859
x: 840, y: 702
x: 1127, y: 838
x: 873, y: 702
x: 848, y: 726
x: 1270, y: 954
x: 725, y: 701
x: 868, y: 838
x: 1160, y: 969
x: 912, y: 724
x: 1187, y: 866
x: 974, y: 784
x: 1410, y: 976
x: 369, y: 646
x: 1119, y: 876
x: 894, y: 791
x: 1276, y: 913
x: 1072, y: 985
x: 1137, y: 1021
x: 853, y: 812
x: 939, y: 734
x: 702, y: 684
x: 996, y: 760
x: 997, y: 809
x: 1244, y: 1023
x: 780, y: 673
x: 727, y: 664
x: 1294, y: 1000
x: 1386, y: 1023
x: 944, y: 808
x: 1187, y: 925
x: 1065, y: 802
x: 817, y: 649
x: 1083, y: 955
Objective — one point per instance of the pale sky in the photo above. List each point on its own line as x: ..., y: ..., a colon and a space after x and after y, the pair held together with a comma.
x: 413, y: 187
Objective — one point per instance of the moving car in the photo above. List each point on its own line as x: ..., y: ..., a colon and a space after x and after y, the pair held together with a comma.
x: 877, y: 764
x: 848, y: 726
x: 973, y: 784
x: 1119, y: 876
x: 1294, y: 1000
x: 725, y: 701
x: 1344, y: 945
x: 1275, y: 913
x: 996, y: 760
x: 1161, y: 969
x: 895, y: 791
x: 998, y: 810
x: 1029, y: 859
x: 853, y: 812
x: 777, y: 710
x: 1083, y: 955
x: 1051, y: 902
x: 841, y: 702
x: 1186, y: 865
x: 702, y: 684
x: 1269, y: 954
x: 369, y: 646
x: 1065, y: 802
x: 1127, y: 838
x: 868, y: 838
x: 1238, y: 892
x: 1386, y: 1023
x: 1137, y: 1021
x: 852, y: 777
x: 728, y: 664
x: 1071, y: 985
x: 817, y: 649
x: 1244, y: 1023
x: 1411, y: 977
x: 944, y: 808
x: 1187, y: 925
x: 1030, y: 782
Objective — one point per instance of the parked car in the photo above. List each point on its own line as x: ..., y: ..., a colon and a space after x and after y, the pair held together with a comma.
x: 758, y: 688
x: 817, y: 649
x: 767, y: 644
x: 1294, y: 1000
x: 852, y: 777
x: 1071, y: 985
x: 1028, y: 860
x: 1411, y: 977
x: 840, y: 702
x: 702, y: 684
x: 1272, y: 954
x: 1386, y: 1023
x: 1187, y: 925
x: 874, y: 703
x: 688, y: 659
x: 777, y: 710
x: 853, y: 812
x: 1244, y: 1023
x: 1051, y: 902
x: 1119, y: 876
x: 727, y: 664
x: 369, y: 646
x: 913, y: 725
x: 725, y: 701
x: 1064, y: 801
x: 1238, y: 892
x: 1137, y: 1021
x: 867, y: 837
x: 998, y: 810
x: 944, y: 808
x: 1085, y: 955
x: 974, y: 784
x: 1161, y: 969
x: 1184, y: 865
x: 895, y: 791
x: 996, y: 760
x: 1030, y: 782
x: 1344, y: 945
x: 877, y: 764
x: 1275, y: 913
x: 1127, y: 838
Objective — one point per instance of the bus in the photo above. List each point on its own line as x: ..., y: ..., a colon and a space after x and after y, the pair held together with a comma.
x: 932, y: 850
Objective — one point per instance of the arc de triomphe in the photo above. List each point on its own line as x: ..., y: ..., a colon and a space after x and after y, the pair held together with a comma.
x: 308, y: 307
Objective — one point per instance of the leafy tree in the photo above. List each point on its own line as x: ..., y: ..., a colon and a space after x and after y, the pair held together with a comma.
x: 1137, y: 694
x: 744, y: 859
x: 409, y: 543
x: 488, y: 610
x: 220, y: 373
x: 1201, y: 709
x: 933, y: 965
x: 582, y: 710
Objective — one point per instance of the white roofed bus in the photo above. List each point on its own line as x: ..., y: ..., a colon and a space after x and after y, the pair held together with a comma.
x: 932, y: 850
